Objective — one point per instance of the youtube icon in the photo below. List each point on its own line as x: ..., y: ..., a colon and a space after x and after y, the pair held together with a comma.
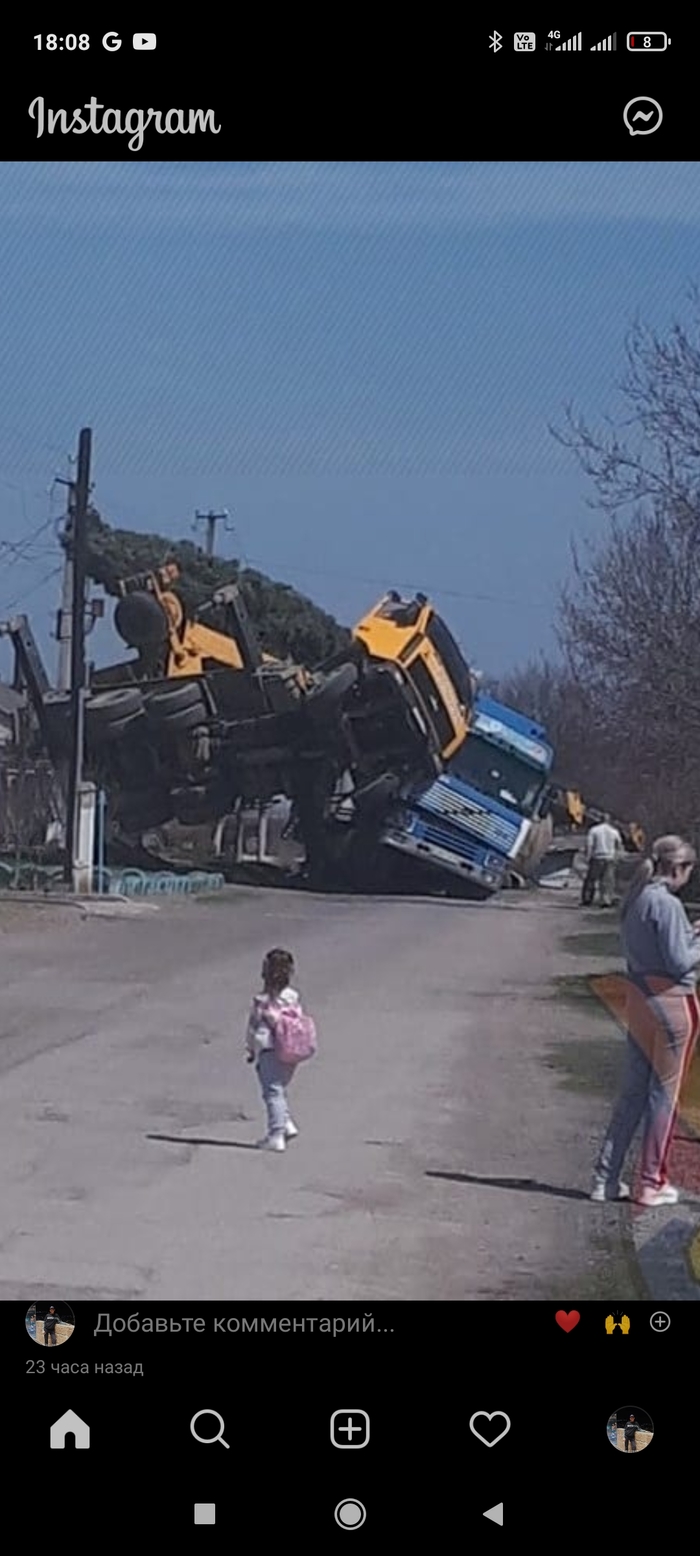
x: 144, y: 40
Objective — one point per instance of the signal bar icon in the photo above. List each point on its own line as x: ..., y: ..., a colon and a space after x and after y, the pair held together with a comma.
x: 606, y: 44
x: 571, y: 43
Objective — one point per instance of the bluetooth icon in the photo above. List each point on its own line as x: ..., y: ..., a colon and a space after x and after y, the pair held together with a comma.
x: 495, y: 41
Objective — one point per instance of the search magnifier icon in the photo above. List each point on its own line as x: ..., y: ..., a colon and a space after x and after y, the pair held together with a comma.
x: 218, y: 1438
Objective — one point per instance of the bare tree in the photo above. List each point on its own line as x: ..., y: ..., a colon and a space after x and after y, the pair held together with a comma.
x: 630, y: 619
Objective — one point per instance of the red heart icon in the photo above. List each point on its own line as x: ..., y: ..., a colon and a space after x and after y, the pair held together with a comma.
x: 567, y: 1321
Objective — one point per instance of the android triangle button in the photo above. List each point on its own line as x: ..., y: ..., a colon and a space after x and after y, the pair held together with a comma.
x: 495, y: 1513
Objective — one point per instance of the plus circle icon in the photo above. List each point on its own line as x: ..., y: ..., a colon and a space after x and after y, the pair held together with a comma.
x: 660, y: 1322
x: 349, y: 1428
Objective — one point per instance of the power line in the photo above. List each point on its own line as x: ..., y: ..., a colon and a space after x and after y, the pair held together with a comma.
x: 384, y: 583
x: 26, y: 594
x: 19, y: 550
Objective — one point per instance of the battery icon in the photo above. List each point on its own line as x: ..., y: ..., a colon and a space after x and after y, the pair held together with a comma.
x: 648, y: 42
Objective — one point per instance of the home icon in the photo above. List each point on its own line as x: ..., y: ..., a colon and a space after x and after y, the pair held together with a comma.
x: 70, y: 1425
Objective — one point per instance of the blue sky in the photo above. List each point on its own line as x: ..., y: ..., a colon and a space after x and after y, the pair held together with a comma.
x: 359, y: 361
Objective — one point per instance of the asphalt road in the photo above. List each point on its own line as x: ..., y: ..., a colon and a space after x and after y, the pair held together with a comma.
x: 439, y: 1157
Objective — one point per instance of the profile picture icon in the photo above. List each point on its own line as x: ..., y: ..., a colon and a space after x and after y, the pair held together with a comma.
x: 49, y: 1323
x: 630, y: 1430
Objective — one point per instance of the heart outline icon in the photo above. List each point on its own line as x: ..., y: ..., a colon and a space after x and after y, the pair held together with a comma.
x: 567, y: 1321
x: 489, y: 1417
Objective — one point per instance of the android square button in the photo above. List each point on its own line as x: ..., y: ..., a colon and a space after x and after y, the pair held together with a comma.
x: 205, y: 1512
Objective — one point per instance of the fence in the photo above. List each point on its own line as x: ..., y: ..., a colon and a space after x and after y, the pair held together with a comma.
x: 140, y: 883
x: 642, y: 1441
x: 63, y: 1332
x: 27, y: 801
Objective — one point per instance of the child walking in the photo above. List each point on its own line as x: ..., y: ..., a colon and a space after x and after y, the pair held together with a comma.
x: 278, y: 1037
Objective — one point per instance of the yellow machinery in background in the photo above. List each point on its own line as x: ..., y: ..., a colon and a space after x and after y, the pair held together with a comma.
x: 150, y: 615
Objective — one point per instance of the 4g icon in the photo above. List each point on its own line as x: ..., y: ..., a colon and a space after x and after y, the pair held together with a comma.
x: 524, y: 42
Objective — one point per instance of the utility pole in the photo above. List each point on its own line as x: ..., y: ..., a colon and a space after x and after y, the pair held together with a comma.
x: 65, y: 614
x: 78, y: 546
x: 211, y: 520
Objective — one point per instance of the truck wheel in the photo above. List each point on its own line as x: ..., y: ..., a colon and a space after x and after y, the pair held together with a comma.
x: 109, y: 734
x: 183, y: 719
x: 376, y: 796
x: 140, y: 620
x: 326, y: 698
x: 169, y: 700
x: 120, y: 703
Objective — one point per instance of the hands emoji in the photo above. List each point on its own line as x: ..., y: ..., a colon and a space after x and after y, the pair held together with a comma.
x: 610, y: 1324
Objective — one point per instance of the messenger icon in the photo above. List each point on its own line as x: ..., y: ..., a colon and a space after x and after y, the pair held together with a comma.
x: 643, y: 115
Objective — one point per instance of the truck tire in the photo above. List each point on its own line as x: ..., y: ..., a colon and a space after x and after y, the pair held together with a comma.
x: 115, y: 705
x: 374, y: 797
x: 325, y: 699
x: 140, y: 620
x: 169, y: 700
x: 183, y: 719
x: 109, y: 734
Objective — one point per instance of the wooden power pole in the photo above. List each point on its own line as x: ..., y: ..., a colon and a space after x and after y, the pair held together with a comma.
x: 78, y: 543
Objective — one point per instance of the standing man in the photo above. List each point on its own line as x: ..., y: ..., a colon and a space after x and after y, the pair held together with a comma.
x: 50, y: 1323
x: 604, y: 847
x: 631, y: 1430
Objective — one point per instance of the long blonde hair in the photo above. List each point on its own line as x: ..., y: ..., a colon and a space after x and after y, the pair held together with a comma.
x: 665, y: 853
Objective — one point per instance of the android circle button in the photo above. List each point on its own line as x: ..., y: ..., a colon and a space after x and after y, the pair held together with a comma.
x: 350, y: 1513
x: 643, y: 115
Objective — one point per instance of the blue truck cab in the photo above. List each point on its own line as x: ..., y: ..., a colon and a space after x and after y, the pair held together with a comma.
x: 479, y: 818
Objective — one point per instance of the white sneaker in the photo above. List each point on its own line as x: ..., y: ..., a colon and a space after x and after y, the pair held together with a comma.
x: 600, y: 1190
x: 272, y: 1143
x: 290, y: 1130
x: 653, y: 1197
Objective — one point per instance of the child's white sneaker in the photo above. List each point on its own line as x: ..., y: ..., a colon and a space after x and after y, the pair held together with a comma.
x: 274, y: 1142
x: 290, y: 1130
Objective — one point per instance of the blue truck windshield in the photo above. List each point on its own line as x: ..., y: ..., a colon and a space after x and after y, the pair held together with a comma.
x: 497, y: 773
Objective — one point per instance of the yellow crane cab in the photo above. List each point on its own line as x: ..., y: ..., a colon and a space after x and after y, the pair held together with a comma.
x: 410, y: 635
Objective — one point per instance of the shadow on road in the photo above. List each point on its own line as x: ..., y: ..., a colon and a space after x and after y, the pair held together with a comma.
x: 240, y: 1145
x: 528, y: 1185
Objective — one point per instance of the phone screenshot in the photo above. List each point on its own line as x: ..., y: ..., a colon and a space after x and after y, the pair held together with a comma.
x: 349, y: 753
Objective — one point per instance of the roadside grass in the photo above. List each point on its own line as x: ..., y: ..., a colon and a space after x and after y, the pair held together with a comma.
x: 600, y: 942
x: 613, y: 1275
x: 592, y: 1063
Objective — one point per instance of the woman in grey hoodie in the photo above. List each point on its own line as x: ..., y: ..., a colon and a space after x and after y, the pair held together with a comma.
x: 662, y: 951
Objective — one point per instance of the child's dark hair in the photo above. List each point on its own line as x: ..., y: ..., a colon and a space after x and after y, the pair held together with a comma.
x: 278, y: 967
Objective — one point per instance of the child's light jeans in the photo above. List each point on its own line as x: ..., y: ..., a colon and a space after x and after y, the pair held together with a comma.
x: 274, y: 1077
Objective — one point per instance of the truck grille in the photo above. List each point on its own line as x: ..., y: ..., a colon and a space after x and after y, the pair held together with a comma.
x: 493, y: 830
x: 454, y: 841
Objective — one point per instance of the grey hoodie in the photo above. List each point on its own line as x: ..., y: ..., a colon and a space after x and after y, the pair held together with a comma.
x: 657, y: 939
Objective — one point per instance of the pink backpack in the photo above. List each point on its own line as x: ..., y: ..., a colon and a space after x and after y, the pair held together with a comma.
x: 294, y: 1034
